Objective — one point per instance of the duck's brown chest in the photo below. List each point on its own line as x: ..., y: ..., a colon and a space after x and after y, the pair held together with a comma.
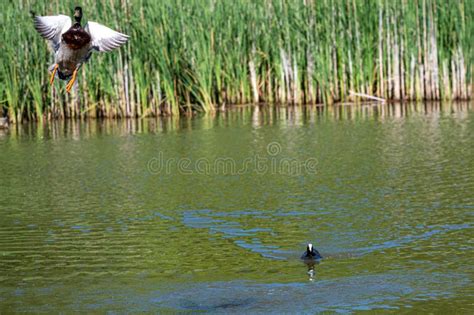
x: 76, y: 38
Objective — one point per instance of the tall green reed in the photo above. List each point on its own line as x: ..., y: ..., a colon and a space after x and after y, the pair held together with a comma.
x: 198, y: 55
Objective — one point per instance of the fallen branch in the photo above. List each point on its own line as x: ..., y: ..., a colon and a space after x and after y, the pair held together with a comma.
x: 367, y: 96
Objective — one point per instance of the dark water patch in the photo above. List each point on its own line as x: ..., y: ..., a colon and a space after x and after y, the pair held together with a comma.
x: 375, y: 292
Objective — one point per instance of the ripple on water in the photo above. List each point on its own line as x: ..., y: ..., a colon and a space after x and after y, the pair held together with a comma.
x: 221, y: 222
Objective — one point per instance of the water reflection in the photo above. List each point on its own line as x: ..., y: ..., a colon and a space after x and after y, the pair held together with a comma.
x: 86, y: 226
x: 311, y: 269
x: 257, y: 116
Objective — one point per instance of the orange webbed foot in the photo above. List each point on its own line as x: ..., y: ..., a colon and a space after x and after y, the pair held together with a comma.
x: 53, y: 74
x: 71, y: 82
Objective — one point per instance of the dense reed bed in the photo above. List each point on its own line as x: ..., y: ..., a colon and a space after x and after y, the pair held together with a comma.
x: 198, y: 55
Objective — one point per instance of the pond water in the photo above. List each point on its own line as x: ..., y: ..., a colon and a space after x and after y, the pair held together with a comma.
x: 211, y: 213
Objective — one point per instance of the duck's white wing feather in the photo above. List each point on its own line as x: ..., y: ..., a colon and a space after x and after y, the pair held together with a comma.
x: 52, y: 27
x: 104, y: 38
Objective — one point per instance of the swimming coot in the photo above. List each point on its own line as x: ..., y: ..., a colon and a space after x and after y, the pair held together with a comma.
x: 311, y: 253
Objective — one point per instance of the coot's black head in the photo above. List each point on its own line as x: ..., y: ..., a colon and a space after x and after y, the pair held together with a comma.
x: 78, y: 14
x: 311, y: 253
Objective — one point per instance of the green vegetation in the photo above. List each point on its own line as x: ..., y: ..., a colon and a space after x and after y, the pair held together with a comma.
x: 189, y: 55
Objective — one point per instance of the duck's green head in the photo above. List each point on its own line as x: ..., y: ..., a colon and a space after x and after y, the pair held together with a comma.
x: 78, y: 14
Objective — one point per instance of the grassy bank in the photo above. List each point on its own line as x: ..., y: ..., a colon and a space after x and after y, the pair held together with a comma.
x: 189, y: 55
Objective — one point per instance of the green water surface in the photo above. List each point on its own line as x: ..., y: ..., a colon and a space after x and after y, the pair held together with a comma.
x: 211, y: 213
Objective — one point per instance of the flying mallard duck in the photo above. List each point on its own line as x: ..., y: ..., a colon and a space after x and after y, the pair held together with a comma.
x: 73, y: 45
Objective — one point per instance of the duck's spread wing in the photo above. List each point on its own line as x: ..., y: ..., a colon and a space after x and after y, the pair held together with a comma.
x: 104, y: 38
x: 52, y: 27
